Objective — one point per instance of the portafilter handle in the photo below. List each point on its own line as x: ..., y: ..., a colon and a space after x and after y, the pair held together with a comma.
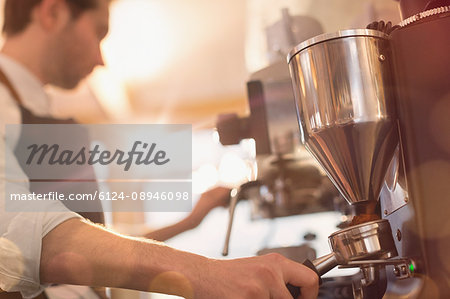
x: 321, y: 266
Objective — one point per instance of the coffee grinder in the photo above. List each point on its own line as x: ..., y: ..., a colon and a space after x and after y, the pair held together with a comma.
x: 373, y: 110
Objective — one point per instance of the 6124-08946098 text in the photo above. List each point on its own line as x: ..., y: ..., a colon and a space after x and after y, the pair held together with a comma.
x: 107, y: 196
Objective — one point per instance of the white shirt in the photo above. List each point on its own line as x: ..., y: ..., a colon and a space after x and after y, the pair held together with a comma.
x: 21, y: 233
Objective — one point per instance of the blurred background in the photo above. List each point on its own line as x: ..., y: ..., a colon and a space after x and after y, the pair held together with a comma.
x: 177, y: 61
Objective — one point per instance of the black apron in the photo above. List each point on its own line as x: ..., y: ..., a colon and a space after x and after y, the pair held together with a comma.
x: 44, y: 186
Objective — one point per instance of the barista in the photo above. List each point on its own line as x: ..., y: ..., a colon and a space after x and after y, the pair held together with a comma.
x: 57, y: 42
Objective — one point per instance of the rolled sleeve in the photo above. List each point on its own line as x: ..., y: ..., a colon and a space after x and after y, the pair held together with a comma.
x: 21, y: 235
x: 20, y: 249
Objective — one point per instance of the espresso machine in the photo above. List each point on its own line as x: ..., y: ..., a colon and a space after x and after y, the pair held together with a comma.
x: 373, y: 109
x: 289, y: 181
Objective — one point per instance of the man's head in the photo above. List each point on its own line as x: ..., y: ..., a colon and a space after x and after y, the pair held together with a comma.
x: 65, y: 33
x: 18, y: 12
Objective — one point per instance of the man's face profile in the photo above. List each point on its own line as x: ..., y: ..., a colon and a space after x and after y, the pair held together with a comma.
x: 75, y: 49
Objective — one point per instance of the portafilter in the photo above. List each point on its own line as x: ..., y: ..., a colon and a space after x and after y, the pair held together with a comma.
x: 367, y: 241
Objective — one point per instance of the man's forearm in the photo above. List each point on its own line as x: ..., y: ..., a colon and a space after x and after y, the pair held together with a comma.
x: 76, y: 252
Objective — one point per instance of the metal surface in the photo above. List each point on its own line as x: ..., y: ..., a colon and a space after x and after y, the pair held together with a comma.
x: 335, y: 35
x: 368, y: 241
x: 233, y: 203
x: 394, y: 195
x: 325, y: 263
x: 392, y: 200
x: 344, y: 98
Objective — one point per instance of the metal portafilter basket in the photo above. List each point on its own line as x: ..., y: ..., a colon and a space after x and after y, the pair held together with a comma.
x: 370, y: 241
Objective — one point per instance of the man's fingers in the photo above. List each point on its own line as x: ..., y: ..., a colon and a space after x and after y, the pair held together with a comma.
x: 388, y: 27
x: 372, y: 25
x: 380, y: 26
x: 300, y: 275
x: 383, y: 27
x: 284, y: 294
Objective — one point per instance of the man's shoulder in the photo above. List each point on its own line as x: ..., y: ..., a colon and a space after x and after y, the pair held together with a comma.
x: 10, y: 113
x: 5, y: 97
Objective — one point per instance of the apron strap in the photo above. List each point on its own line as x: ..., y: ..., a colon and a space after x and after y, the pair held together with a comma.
x: 16, y: 97
x: 10, y: 87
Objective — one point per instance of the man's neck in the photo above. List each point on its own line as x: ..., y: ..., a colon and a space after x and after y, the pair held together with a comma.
x: 15, y: 49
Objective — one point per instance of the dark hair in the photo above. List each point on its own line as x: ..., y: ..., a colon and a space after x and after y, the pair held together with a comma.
x: 17, y: 13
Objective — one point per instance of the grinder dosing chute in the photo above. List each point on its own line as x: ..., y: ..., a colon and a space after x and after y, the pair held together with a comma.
x: 345, y: 104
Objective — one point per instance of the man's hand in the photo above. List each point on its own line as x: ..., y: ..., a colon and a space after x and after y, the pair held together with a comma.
x: 259, y: 277
x: 76, y: 252
x: 217, y: 197
x: 383, y: 27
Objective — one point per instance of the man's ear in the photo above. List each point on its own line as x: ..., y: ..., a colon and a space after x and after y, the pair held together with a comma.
x: 52, y: 15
